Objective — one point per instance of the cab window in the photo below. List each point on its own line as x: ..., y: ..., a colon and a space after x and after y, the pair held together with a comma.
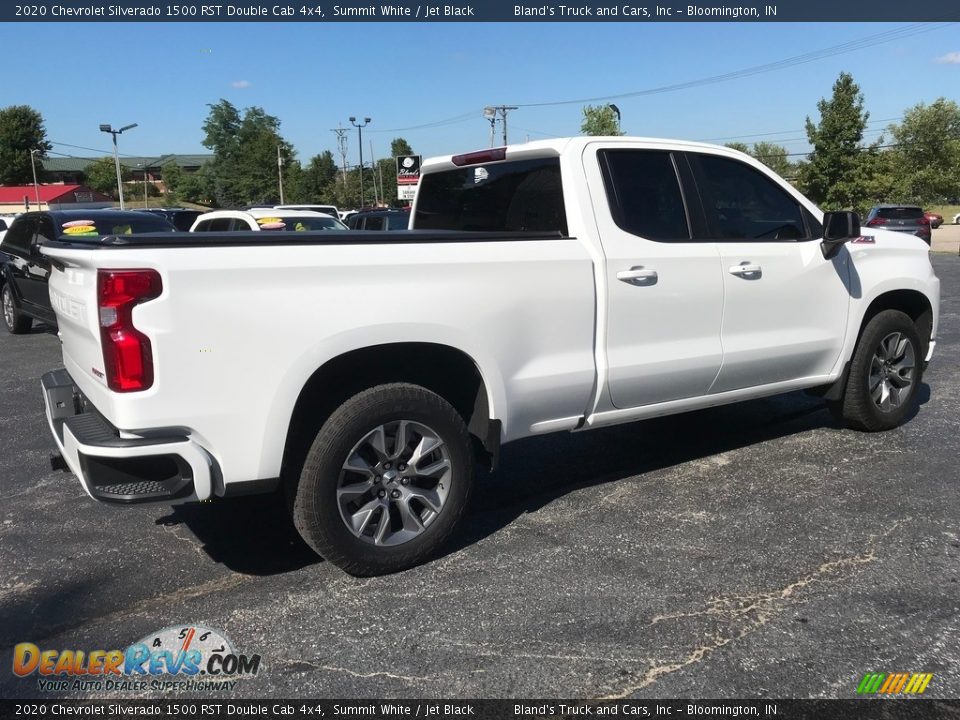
x: 741, y: 203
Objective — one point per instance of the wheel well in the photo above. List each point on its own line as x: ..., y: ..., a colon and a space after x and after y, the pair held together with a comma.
x: 450, y: 373
x: 913, y: 303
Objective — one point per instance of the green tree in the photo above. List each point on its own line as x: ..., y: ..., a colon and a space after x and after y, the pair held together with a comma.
x: 835, y: 174
x: 773, y: 156
x: 244, y: 166
x: 399, y: 146
x: 101, y: 175
x: 21, y: 130
x: 599, y: 120
x: 928, y: 140
x: 172, y: 175
x: 318, y: 176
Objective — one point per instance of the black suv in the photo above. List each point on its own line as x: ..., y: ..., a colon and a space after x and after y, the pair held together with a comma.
x: 379, y: 220
x: 25, y: 270
x: 900, y: 218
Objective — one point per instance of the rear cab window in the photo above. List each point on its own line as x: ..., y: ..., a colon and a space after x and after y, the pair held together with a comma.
x: 900, y: 213
x: 504, y: 196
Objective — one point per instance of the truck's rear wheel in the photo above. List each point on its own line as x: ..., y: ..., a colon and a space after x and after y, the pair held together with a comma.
x: 885, y: 374
x: 15, y: 321
x: 386, y: 480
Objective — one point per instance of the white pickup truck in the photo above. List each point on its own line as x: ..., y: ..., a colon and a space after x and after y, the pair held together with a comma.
x: 561, y: 285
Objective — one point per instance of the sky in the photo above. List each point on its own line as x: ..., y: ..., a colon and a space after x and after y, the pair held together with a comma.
x: 313, y: 77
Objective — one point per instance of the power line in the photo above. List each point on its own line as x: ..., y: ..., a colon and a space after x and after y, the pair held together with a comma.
x: 887, y: 36
x: 783, y: 132
x: 840, y: 49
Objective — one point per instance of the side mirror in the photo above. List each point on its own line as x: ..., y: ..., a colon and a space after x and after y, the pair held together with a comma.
x: 838, y: 228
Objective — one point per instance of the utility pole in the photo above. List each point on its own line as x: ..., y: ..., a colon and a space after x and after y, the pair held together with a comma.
x: 280, y: 172
x: 341, y: 133
x: 33, y: 164
x: 378, y: 196
x: 490, y: 113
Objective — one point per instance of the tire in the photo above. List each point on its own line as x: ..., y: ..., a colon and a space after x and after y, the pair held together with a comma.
x: 16, y: 322
x: 381, y: 515
x: 888, y: 356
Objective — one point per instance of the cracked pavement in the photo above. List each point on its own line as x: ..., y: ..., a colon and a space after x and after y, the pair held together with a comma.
x: 749, y: 551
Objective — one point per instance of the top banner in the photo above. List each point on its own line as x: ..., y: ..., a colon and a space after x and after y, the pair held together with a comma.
x: 485, y: 11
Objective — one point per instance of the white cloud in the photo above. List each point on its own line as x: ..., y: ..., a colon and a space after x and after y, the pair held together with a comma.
x: 240, y: 84
x: 951, y: 58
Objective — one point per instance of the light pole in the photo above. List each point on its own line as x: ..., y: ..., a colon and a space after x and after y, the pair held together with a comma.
x: 616, y: 111
x: 33, y: 164
x: 116, y: 155
x: 490, y: 114
x: 359, y: 127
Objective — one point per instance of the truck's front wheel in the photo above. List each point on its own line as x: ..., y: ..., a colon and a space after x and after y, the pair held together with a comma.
x: 885, y: 374
x: 386, y: 480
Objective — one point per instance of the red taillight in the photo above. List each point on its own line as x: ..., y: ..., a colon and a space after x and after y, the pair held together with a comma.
x: 127, y: 354
x: 877, y: 221
x: 924, y: 220
x: 481, y: 156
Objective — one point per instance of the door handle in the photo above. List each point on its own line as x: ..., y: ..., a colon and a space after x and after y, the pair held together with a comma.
x: 638, y: 276
x: 746, y: 269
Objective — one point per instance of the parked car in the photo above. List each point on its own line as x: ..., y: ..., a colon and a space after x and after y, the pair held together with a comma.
x: 330, y: 210
x: 265, y: 219
x: 379, y: 220
x: 935, y: 219
x: 182, y: 218
x: 26, y: 271
x: 900, y: 218
x: 956, y: 219
x: 605, y: 280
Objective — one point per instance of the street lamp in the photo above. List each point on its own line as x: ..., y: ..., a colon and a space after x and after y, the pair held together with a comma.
x: 359, y: 127
x: 33, y: 164
x: 616, y: 110
x: 116, y: 156
x: 490, y: 114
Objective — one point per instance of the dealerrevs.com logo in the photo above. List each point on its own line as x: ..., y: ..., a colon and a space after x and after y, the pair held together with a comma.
x: 189, y: 658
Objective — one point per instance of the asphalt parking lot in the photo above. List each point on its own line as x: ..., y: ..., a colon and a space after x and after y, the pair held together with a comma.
x: 755, y: 550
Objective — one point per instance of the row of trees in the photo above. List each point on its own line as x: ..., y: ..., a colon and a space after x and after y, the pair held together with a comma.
x: 919, y: 163
x: 246, y: 148
x: 244, y: 168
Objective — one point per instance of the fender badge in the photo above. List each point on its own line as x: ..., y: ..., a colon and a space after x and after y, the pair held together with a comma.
x: 864, y: 240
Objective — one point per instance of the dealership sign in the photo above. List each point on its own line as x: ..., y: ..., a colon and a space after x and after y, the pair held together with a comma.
x: 408, y: 175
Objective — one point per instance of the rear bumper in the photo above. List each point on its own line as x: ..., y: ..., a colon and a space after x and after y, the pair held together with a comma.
x: 166, y: 468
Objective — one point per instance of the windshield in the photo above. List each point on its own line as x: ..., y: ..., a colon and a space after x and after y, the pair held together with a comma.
x: 300, y: 223
x: 515, y: 196
x: 113, y: 224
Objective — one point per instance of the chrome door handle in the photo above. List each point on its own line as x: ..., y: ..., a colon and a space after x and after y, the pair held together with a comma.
x: 746, y: 269
x: 639, y: 273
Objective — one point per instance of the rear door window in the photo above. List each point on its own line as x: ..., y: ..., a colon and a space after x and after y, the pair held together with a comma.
x: 45, y: 231
x: 511, y: 196
x: 644, y: 195
x: 373, y: 223
x: 20, y: 234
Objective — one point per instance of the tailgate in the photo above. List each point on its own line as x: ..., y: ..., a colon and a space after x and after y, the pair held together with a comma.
x: 73, y: 296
